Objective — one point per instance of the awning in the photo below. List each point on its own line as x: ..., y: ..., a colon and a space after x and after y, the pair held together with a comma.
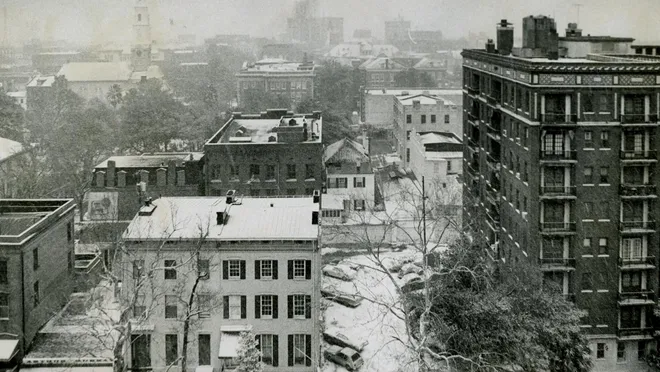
x: 228, y: 345
x: 8, y: 349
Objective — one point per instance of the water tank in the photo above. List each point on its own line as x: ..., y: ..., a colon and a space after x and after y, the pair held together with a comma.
x: 504, y: 37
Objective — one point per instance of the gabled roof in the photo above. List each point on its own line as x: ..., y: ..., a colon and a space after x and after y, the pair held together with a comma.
x: 430, y: 63
x: 424, y: 99
x: 9, y: 148
x: 96, y: 71
x: 345, y: 150
x: 379, y: 63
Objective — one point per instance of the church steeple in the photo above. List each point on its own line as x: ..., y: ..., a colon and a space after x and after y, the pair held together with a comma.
x: 141, y: 50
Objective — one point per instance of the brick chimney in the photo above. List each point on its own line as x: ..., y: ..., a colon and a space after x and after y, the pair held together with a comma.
x: 110, y: 180
x: 171, y: 173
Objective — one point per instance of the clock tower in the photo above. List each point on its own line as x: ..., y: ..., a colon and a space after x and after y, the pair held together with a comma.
x: 141, y: 50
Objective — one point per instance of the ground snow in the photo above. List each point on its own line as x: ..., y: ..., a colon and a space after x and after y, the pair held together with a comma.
x: 370, y: 321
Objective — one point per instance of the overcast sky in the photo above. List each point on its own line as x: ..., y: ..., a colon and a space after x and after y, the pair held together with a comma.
x: 85, y: 21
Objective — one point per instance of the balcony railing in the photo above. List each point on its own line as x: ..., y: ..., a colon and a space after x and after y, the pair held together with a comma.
x: 558, y: 118
x: 559, y: 227
x: 556, y: 263
x: 636, y: 225
x: 558, y: 190
x: 472, y: 142
x: 637, y: 262
x: 638, y: 155
x: 638, y: 118
x: 472, y: 117
x: 473, y: 91
x: 634, y: 331
x: 637, y: 190
x: 493, y: 98
x: 559, y: 155
x: 640, y: 296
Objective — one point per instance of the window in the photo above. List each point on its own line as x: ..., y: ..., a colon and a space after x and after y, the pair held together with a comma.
x: 140, y: 351
x: 587, y: 284
x: 309, y: 171
x: 270, y: 172
x: 600, y: 350
x: 265, y: 306
x: 300, y: 350
x: 407, y: 155
x: 358, y: 182
x: 35, y: 290
x: 602, y: 246
x: 268, y: 347
x: 299, y: 306
x: 408, y: 135
x: 358, y: 205
x: 446, y: 119
x: 69, y: 232
x: 604, y: 210
x: 586, y: 246
x: 203, y: 269
x: 203, y: 305
x: 433, y: 119
x: 631, y: 248
x: 255, y: 170
x: 588, y: 175
x: 4, y: 305
x: 35, y: 258
x: 605, y: 139
x: 171, y: 308
x: 604, y: 175
x: 138, y: 268
x: 553, y: 144
x: 265, y: 269
x: 588, y: 102
x: 235, y: 307
x: 631, y: 281
x: 291, y: 171
x: 233, y: 269
x: 204, y: 349
x: 171, y: 349
x: 300, y: 269
x: 4, y: 279
x: 139, y: 307
x: 342, y: 183
x: 620, y: 352
x: 423, y: 119
x: 408, y: 119
x: 641, y: 350
x: 170, y: 269
x: 234, y: 172
x: 588, y: 139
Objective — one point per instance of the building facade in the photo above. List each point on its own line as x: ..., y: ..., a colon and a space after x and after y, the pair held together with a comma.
x: 422, y: 113
x: 560, y: 160
x: 249, y: 264
x: 380, y: 72
x: 122, y: 183
x: 273, y: 153
x: 292, y: 80
x: 36, y: 268
x: 11, y: 153
x: 438, y: 157
x: 349, y: 175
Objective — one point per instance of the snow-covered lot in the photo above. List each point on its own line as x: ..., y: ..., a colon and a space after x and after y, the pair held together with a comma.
x: 372, y: 320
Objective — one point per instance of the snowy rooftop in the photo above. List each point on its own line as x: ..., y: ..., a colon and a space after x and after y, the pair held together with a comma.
x: 20, y: 219
x: 438, y: 137
x: 413, y: 91
x: 249, y: 219
x: 152, y: 160
x: 246, y: 129
x: 42, y: 81
x: 277, y: 65
x: 423, y: 99
x: 9, y: 148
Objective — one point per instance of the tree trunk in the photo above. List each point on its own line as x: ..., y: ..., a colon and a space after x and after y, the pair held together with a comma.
x: 119, y: 364
x: 186, y: 325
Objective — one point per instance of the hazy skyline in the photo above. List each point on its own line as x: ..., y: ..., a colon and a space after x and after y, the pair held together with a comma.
x: 110, y: 20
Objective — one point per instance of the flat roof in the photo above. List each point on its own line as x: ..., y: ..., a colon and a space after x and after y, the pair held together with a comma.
x: 423, y: 99
x: 597, y: 38
x: 278, y: 65
x: 413, y: 91
x: 20, y: 219
x: 254, y: 129
x: 152, y: 160
x: 252, y: 219
x: 427, y: 138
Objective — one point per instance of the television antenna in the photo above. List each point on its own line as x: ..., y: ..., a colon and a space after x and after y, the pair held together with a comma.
x: 578, y: 6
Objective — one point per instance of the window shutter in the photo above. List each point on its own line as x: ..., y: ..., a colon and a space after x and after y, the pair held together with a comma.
x: 274, y: 269
x: 364, y: 183
x: 258, y: 339
x: 354, y: 181
x: 290, y: 269
x: 242, y: 269
x: 308, y: 350
x: 225, y: 269
x: 290, y: 350
x: 308, y: 269
x: 308, y: 307
x: 243, y: 307
x: 225, y: 310
x: 276, y: 351
x: 257, y: 269
x: 275, y: 307
x: 257, y: 307
x: 289, y: 306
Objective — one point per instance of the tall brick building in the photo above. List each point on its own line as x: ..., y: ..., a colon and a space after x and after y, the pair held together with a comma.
x: 560, y: 159
x: 272, y: 153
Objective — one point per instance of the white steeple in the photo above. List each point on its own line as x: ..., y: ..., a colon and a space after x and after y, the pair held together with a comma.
x: 141, y: 50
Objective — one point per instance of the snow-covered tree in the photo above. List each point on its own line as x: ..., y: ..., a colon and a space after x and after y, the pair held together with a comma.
x: 249, y: 355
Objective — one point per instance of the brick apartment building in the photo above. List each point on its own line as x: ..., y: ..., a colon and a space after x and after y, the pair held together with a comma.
x: 259, y: 267
x: 122, y: 183
x: 36, y: 269
x: 277, y: 77
x: 272, y: 153
x: 560, y: 157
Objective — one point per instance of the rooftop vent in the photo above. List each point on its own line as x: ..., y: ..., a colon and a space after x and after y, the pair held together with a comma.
x: 147, y: 209
x: 317, y: 196
x: 231, y: 196
x: 272, y: 139
x: 315, y: 218
x: 292, y: 122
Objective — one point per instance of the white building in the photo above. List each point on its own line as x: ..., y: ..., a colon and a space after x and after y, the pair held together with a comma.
x: 349, y: 176
x: 438, y: 157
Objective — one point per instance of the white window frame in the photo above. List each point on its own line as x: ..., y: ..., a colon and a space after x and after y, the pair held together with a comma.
x: 266, y: 344
x: 266, y: 269
x: 234, y: 265
x: 298, y: 306
x: 299, y: 348
x: 360, y: 182
x: 266, y: 307
x: 631, y: 248
x: 234, y: 306
x: 297, y: 269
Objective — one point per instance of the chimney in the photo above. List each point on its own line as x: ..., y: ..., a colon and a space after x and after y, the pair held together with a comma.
x: 219, y: 218
x: 305, y: 134
x: 387, y: 63
x: 504, y: 37
x: 490, y: 46
x: 147, y: 202
x: 110, y: 179
x: 315, y: 218
x: 231, y: 196
x: 171, y: 173
x: 316, y: 196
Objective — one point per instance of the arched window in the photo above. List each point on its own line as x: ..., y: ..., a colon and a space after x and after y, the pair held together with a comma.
x: 139, y: 17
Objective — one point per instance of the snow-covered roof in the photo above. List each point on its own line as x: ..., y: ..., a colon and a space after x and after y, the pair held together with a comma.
x: 42, y: 81
x: 382, y: 63
x: 9, y: 148
x: 151, y: 160
x: 438, y: 137
x: 153, y: 72
x: 251, y: 219
x: 96, y: 71
x: 345, y: 150
x: 424, y: 99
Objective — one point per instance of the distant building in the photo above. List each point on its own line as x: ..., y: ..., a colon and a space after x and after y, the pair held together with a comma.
x: 284, y: 51
x: 349, y: 175
x: 316, y: 32
x: 361, y: 50
x: 396, y: 30
x: 293, y: 80
x: 422, y: 113
x: 399, y: 33
x: 576, y: 45
x: 380, y: 72
x: 260, y: 267
x: 377, y: 105
x: 20, y: 98
x: 122, y: 183
x: 15, y: 79
x: 438, y: 157
x: 39, y: 92
x: 47, y: 63
x: 11, y: 153
x: 273, y: 153
x: 434, y: 66
x: 36, y: 269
